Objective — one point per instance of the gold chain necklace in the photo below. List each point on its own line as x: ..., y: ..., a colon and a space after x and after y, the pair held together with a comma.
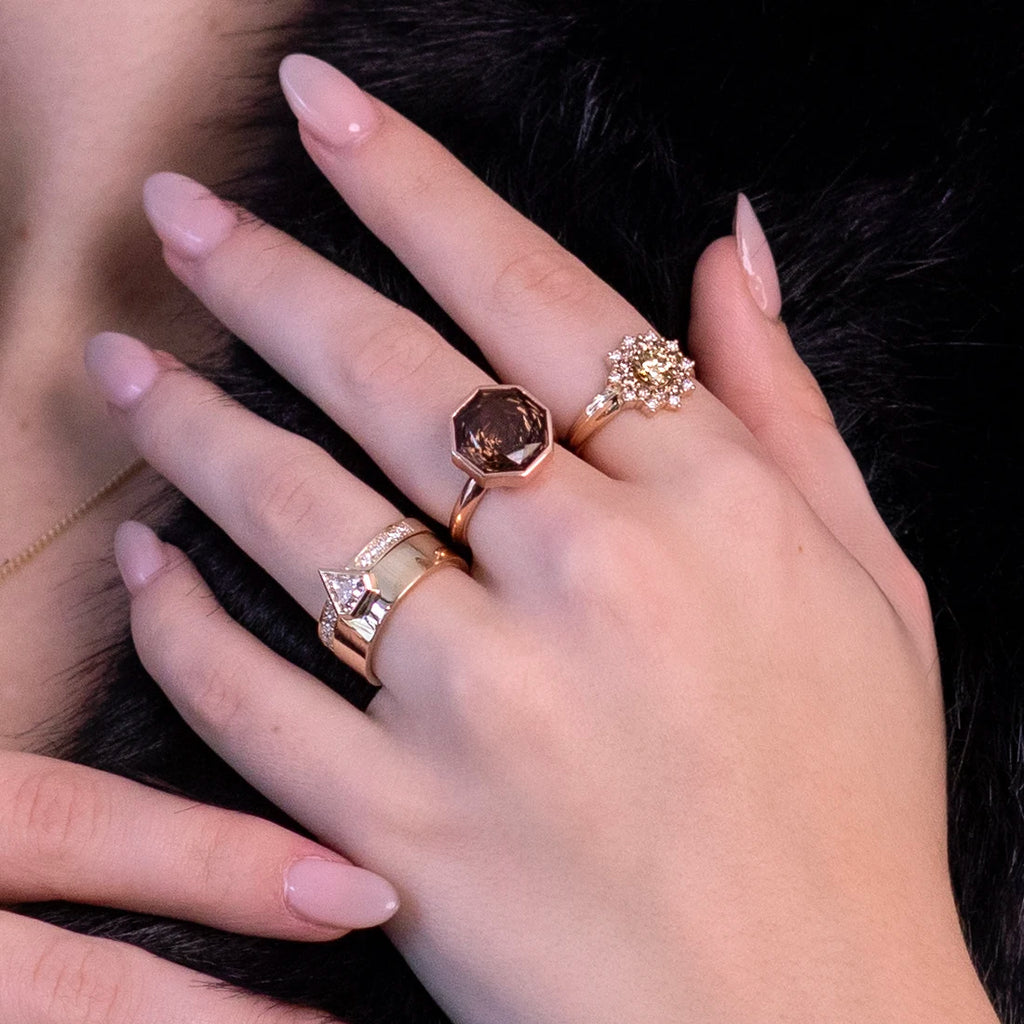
x: 9, y: 566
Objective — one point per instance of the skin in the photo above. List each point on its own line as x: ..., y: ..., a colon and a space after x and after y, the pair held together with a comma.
x: 675, y: 750
x: 93, y: 97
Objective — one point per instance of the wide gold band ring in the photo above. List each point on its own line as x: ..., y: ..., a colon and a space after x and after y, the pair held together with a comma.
x: 362, y: 595
x: 501, y: 436
x: 646, y: 372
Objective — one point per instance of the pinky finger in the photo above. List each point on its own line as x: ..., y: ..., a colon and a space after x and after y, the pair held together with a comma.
x: 52, y: 976
x: 748, y: 361
x: 328, y: 765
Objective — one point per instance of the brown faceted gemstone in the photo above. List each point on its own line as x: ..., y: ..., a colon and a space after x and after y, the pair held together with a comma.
x: 652, y: 364
x: 501, y: 429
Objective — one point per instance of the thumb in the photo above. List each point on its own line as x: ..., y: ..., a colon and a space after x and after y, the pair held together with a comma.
x: 749, y: 363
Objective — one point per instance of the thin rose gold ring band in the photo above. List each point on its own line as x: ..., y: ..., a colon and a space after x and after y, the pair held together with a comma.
x: 646, y: 372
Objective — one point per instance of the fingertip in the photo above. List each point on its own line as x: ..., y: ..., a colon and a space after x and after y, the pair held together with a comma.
x: 338, y: 895
x: 727, y: 328
x: 122, y: 367
x: 747, y: 359
x: 755, y: 257
x: 326, y: 103
x: 189, y: 219
x: 718, y: 279
x: 140, y: 554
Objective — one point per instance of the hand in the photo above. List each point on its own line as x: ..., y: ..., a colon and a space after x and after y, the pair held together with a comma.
x: 72, y: 833
x: 674, y: 751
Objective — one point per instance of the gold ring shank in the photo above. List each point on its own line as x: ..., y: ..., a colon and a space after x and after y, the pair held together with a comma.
x: 469, y: 498
x: 394, y: 575
x: 604, y: 406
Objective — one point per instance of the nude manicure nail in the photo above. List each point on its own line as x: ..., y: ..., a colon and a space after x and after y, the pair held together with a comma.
x: 139, y: 553
x: 187, y: 216
x: 338, y: 895
x: 756, y: 257
x: 325, y: 101
x: 122, y: 368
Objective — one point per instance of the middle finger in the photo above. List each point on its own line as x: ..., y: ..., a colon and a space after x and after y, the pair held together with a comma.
x: 378, y: 370
x: 541, y: 317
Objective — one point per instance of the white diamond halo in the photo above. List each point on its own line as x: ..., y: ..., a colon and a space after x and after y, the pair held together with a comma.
x: 650, y: 372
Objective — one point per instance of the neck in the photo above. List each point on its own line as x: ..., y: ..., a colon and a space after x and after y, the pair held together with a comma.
x: 93, y: 98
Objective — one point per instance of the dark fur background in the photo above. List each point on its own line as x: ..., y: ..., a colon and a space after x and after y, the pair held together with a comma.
x: 876, y: 149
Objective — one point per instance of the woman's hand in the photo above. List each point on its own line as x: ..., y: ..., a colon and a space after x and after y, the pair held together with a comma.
x: 674, y: 751
x: 72, y: 833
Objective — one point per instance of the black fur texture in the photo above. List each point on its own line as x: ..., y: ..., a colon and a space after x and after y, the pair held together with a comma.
x: 876, y: 150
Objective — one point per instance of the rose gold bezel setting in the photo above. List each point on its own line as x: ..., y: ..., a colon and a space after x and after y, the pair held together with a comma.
x: 501, y: 478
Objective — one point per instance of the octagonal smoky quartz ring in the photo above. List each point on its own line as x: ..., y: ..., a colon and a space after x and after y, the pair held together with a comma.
x: 647, y: 372
x: 501, y: 435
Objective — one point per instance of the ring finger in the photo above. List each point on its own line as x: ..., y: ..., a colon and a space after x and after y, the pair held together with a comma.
x: 282, y: 499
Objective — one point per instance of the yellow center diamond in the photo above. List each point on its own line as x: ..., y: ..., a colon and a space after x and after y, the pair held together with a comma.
x: 649, y: 371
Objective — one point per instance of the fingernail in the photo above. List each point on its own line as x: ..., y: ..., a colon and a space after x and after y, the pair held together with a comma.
x: 139, y: 553
x: 325, y: 101
x: 122, y: 368
x: 338, y: 895
x: 187, y: 216
x: 756, y: 256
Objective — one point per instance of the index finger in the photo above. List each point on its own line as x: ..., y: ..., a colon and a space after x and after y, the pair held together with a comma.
x: 74, y: 833
x: 52, y: 976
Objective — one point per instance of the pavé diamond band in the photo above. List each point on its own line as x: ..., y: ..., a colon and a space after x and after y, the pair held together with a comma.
x: 361, y: 595
x: 646, y: 372
x: 501, y: 435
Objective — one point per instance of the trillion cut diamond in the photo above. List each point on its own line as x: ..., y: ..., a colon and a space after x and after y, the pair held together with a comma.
x: 500, y: 430
x: 347, y: 589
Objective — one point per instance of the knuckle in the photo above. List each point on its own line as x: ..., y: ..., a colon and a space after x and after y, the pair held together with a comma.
x: 913, y: 590
x: 419, y: 817
x: 60, y: 814
x: 214, y: 693
x: 393, y: 353
x: 165, y: 635
x: 547, y: 278
x: 471, y: 683
x: 414, y: 189
x: 212, y: 852
x: 586, y: 553
x: 160, y: 418
x: 283, y: 493
x: 74, y: 979
x: 809, y: 397
x: 746, y: 495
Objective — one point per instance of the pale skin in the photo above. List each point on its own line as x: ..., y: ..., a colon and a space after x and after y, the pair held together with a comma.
x: 675, y: 750
x: 93, y: 97
x: 768, y: 754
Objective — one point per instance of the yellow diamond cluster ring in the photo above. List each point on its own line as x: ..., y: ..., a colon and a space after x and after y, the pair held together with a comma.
x: 646, y: 372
